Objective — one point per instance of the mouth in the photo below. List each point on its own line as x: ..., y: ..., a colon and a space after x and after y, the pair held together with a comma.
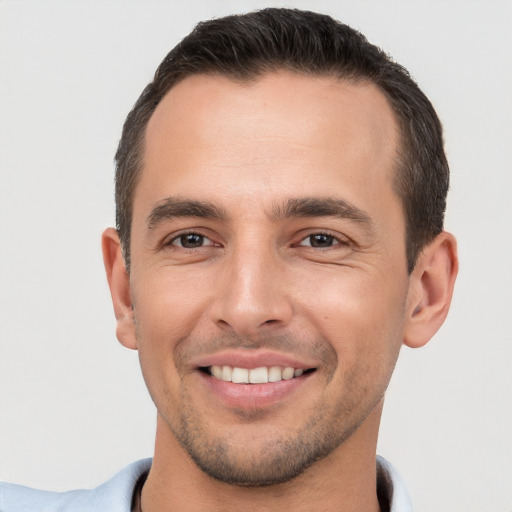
x: 260, y: 375
x: 254, y: 381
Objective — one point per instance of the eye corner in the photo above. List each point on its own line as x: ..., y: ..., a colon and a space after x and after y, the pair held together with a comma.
x: 323, y: 240
x: 189, y: 240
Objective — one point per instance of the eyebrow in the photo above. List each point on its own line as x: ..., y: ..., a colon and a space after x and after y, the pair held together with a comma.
x: 320, y: 207
x: 171, y: 208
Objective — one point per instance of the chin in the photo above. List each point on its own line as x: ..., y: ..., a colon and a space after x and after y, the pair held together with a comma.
x: 264, y: 461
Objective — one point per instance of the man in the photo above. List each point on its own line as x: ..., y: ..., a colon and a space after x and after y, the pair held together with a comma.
x: 280, y: 192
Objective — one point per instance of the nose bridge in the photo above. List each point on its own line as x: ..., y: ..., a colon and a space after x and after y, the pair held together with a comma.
x: 252, y: 289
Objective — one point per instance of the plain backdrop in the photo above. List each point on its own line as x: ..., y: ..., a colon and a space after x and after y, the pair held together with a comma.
x: 73, y: 406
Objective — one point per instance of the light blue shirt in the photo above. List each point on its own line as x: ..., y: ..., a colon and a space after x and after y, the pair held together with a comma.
x: 116, y: 494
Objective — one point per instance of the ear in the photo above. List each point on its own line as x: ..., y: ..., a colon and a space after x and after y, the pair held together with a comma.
x: 430, y: 290
x: 119, y: 283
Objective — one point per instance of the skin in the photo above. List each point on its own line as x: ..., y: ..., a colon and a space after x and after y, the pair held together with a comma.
x: 327, y: 290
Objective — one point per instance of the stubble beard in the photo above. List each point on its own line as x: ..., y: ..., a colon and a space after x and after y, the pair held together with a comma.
x: 278, y: 460
x: 283, y: 457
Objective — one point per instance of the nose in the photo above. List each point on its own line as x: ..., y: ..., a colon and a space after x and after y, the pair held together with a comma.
x: 253, y: 293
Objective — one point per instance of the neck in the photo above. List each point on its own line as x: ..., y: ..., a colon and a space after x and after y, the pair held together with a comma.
x: 343, y: 481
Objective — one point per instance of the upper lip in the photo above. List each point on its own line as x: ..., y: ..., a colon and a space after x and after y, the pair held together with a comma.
x: 251, y: 359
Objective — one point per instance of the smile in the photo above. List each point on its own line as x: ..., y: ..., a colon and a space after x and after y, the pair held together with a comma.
x: 261, y: 375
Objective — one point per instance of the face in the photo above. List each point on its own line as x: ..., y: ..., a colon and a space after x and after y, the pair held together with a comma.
x: 268, y: 275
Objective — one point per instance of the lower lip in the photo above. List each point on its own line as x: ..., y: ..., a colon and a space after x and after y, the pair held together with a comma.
x: 253, y: 396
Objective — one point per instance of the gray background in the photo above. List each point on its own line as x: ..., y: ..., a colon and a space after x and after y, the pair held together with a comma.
x: 73, y: 406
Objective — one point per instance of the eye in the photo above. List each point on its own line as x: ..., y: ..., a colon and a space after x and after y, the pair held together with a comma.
x: 320, y: 241
x: 191, y: 241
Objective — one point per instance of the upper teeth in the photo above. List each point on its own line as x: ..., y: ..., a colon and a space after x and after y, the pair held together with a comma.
x: 255, y: 375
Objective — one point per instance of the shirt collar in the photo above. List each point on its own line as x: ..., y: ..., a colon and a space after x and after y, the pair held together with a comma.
x: 391, y: 487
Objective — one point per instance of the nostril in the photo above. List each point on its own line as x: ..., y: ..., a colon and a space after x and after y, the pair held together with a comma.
x: 247, y: 318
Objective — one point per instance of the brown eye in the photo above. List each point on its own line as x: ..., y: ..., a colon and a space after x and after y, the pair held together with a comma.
x: 319, y: 241
x: 191, y: 241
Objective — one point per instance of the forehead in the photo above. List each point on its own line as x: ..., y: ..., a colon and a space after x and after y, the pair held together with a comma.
x: 283, y: 132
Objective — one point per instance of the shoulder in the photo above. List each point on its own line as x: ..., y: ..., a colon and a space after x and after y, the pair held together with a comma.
x: 391, y: 487
x: 113, y: 495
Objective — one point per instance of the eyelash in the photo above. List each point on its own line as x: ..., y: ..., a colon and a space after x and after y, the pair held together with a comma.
x: 336, y: 240
x: 187, y: 233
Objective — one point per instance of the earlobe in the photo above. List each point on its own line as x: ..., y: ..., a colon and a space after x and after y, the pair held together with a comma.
x: 430, y: 290
x: 119, y: 283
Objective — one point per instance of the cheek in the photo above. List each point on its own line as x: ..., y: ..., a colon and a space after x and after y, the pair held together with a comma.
x: 364, y: 326
x: 168, y: 304
x: 166, y: 310
x: 360, y: 314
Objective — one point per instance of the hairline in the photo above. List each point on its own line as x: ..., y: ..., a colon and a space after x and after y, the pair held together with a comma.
x: 355, y: 79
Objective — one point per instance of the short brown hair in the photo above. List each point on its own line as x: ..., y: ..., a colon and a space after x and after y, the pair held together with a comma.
x: 243, y: 47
